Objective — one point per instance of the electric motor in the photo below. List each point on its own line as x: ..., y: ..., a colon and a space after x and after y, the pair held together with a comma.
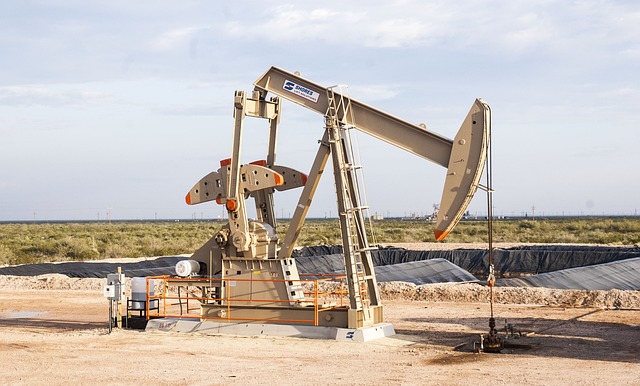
x: 186, y: 268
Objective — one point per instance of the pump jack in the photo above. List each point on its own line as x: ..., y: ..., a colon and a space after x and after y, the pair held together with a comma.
x: 246, y: 253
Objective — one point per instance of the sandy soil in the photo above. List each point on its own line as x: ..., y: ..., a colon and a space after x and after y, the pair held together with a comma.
x: 53, y: 331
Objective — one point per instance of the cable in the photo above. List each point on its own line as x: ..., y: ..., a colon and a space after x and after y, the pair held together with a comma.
x: 491, y: 278
x: 491, y: 343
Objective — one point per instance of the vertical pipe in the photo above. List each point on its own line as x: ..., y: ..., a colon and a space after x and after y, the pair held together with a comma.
x: 315, y: 302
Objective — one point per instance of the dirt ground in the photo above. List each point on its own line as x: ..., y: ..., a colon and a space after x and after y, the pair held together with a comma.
x: 60, y: 336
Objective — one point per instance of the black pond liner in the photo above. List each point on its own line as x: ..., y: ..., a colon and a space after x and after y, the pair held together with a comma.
x: 152, y: 267
x: 622, y: 275
x: 530, y: 265
x: 417, y: 272
x: 518, y: 261
x: 550, y: 266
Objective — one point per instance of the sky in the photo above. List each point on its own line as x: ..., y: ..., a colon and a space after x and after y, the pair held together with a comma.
x: 117, y: 108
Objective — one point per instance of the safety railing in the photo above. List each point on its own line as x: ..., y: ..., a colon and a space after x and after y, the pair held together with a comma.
x: 184, y: 297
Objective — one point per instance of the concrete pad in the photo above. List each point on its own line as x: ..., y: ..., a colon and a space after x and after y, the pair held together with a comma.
x: 164, y: 324
x: 364, y: 334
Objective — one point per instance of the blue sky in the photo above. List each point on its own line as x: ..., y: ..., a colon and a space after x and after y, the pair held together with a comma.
x: 125, y: 105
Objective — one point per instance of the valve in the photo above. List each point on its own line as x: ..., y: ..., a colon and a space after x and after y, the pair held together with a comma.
x: 491, y: 279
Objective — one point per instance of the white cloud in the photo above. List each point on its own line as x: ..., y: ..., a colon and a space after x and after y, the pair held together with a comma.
x: 175, y: 38
x: 492, y: 26
x: 529, y: 31
x: 373, y: 92
x: 289, y: 23
x: 397, y: 33
x: 338, y: 25
x: 194, y: 109
x: 632, y: 52
x: 200, y: 85
x: 622, y: 91
x: 29, y: 95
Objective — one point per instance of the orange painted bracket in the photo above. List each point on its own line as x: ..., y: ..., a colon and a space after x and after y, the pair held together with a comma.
x: 292, y: 178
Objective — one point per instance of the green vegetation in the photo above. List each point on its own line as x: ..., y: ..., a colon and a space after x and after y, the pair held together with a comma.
x: 46, y: 242
x: 43, y: 242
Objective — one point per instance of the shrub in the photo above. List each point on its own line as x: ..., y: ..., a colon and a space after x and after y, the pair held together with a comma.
x: 30, y: 243
x: 6, y: 255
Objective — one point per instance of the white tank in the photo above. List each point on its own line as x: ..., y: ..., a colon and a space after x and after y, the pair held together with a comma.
x: 186, y: 268
x: 139, y: 288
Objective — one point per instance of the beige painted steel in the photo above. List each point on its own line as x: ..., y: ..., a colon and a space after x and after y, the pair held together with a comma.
x: 361, y: 280
x: 252, y: 178
x: 367, y: 119
x: 464, y: 166
x: 292, y: 178
x: 244, y: 253
x: 329, y: 316
x: 304, y: 202
x: 259, y: 283
x: 304, y: 316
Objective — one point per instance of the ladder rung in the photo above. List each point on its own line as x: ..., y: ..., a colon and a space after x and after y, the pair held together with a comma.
x: 359, y: 250
x: 352, y: 167
x: 357, y: 208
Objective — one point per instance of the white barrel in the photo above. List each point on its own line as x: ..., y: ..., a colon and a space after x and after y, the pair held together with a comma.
x: 186, y: 268
x: 139, y: 288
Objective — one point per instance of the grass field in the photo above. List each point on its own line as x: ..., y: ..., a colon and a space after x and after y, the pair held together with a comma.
x: 45, y: 242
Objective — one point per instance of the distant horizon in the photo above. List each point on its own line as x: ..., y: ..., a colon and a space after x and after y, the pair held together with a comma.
x: 417, y: 218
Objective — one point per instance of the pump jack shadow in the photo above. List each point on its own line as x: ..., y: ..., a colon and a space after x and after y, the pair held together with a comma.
x: 563, y: 338
x: 51, y: 324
